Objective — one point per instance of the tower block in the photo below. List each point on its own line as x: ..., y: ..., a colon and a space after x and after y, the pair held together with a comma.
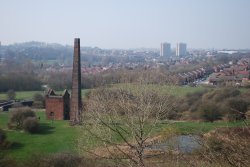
x: 76, y: 96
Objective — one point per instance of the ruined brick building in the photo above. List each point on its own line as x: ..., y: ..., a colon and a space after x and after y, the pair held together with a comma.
x: 66, y: 107
x: 57, y: 106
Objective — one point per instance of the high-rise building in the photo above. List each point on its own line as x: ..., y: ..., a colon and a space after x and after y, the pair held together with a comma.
x: 165, y: 50
x: 181, y: 49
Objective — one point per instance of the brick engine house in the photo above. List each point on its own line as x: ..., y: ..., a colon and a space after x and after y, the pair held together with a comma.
x: 66, y: 107
x: 57, y: 106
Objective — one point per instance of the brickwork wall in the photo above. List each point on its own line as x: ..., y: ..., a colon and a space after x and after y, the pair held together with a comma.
x: 55, y: 105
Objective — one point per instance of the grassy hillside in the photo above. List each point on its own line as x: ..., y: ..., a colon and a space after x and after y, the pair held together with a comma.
x: 170, y: 89
x: 58, y: 136
x: 53, y: 137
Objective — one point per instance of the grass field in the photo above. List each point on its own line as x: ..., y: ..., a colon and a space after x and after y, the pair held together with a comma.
x: 21, y: 95
x: 60, y: 137
x: 28, y: 95
x: 56, y: 137
x: 170, y: 89
x: 173, y: 90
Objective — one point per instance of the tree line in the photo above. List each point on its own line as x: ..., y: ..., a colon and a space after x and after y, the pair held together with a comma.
x: 19, y: 82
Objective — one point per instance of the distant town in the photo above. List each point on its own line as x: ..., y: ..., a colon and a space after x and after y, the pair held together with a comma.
x: 183, y: 65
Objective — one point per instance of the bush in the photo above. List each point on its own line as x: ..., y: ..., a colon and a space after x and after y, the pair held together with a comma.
x: 229, y: 145
x: 4, y: 144
x: 2, y: 136
x: 39, y: 100
x: 18, y: 116
x: 225, y: 93
x: 218, y: 95
x: 57, y: 160
x: 210, y: 112
x: 31, y: 125
x: 219, y: 103
x: 237, y: 109
x: 11, y: 94
x: 214, y: 144
x: 7, y: 161
x: 193, y: 100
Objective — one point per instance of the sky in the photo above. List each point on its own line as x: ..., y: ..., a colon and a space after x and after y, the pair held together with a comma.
x: 124, y: 24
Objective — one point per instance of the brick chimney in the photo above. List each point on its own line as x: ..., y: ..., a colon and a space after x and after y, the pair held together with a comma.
x: 76, y: 97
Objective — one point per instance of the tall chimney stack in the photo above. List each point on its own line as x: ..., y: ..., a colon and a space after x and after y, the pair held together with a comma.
x: 76, y: 97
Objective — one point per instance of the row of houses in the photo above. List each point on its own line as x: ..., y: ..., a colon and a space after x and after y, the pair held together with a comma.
x: 238, y: 74
x: 198, y: 74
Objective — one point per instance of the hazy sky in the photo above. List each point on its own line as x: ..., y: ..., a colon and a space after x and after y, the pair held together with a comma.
x: 127, y: 23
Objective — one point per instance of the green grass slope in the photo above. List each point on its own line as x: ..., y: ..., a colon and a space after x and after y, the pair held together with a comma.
x: 57, y: 136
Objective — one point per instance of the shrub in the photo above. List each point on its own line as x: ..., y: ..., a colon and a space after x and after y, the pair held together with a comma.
x: 38, y: 97
x: 39, y: 100
x: 4, y: 144
x: 18, y: 116
x: 2, y: 136
x: 210, y: 112
x: 192, y: 98
x: 237, y: 109
x: 221, y: 94
x: 7, y: 161
x: 229, y: 145
x: 225, y: 93
x: 11, y: 94
x: 31, y: 125
x: 214, y: 144
x: 57, y: 160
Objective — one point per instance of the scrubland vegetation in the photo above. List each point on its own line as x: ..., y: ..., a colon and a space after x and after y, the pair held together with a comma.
x: 110, y: 124
x: 125, y: 119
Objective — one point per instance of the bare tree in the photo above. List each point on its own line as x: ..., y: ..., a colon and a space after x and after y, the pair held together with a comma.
x: 123, y: 120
